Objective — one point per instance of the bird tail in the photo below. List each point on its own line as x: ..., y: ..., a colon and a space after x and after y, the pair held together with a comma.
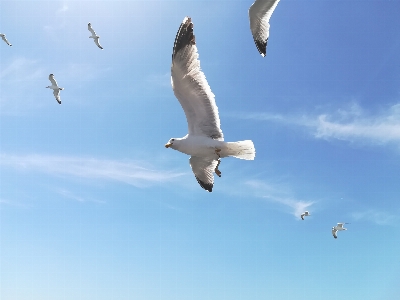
x: 242, y: 149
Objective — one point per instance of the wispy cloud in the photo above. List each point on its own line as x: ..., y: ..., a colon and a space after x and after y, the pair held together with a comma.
x: 352, y: 124
x: 279, y: 195
x: 377, y: 217
x: 135, y: 173
x: 70, y: 195
x: 162, y: 80
x: 63, y: 8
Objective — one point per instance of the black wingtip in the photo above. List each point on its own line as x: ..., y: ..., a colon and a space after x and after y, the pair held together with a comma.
x: 261, y: 47
x: 206, y: 186
x: 184, y: 36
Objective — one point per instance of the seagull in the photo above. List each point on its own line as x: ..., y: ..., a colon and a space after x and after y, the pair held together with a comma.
x: 259, y: 13
x: 56, y: 89
x: 3, y: 36
x: 94, y: 36
x: 204, y: 142
x: 338, y: 227
x: 305, y: 214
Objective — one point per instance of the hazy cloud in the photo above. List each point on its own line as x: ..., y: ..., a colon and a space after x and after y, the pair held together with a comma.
x: 377, y: 217
x: 351, y: 124
x: 279, y: 195
x: 127, y: 171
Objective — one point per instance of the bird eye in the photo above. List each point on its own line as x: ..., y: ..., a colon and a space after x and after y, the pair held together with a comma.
x: 172, y: 140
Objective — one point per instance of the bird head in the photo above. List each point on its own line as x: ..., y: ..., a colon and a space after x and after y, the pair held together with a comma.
x: 171, y: 143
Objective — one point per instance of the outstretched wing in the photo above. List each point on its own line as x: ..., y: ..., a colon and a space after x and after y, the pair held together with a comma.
x: 56, y: 94
x: 203, y: 170
x: 340, y: 225
x: 334, y: 233
x: 96, y: 40
x: 52, y: 80
x: 191, y: 87
x: 5, y: 39
x: 302, y: 216
x: 89, y: 26
x: 259, y: 13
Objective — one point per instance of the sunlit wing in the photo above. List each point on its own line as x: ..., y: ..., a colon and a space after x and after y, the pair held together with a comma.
x: 190, y: 85
x: 259, y: 13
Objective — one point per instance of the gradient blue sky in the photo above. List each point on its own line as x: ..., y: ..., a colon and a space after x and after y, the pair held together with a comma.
x: 92, y: 206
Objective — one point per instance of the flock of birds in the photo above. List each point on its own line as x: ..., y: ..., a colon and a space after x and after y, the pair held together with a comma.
x: 335, y: 229
x: 205, y: 141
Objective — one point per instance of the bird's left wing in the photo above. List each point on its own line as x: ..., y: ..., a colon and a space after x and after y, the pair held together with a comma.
x: 340, y: 225
x: 203, y: 170
x: 91, y: 29
x: 334, y: 233
x: 5, y: 39
x: 56, y: 94
x: 98, y: 43
x: 191, y: 87
x: 52, y: 80
x: 259, y: 13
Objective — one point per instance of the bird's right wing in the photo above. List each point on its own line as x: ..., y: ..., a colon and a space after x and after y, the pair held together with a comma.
x: 340, y: 225
x: 334, y: 233
x: 259, y: 13
x: 203, y: 170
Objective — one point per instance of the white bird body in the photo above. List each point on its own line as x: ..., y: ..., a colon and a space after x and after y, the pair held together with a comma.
x: 56, y: 89
x: 259, y: 14
x: 3, y: 37
x: 338, y: 227
x: 204, y: 141
x: 304, y: 214
x: 94, y: 36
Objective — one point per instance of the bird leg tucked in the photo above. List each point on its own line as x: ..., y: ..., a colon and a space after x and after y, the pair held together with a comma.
x: 218, y: 172
x: 217, y: 151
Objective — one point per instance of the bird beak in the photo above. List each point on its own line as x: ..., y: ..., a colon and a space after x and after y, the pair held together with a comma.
x: 168, y: 145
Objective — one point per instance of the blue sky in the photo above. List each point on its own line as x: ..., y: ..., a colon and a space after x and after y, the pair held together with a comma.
x: 92, y: 206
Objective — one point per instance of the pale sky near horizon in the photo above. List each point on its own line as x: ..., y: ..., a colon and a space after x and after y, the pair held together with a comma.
x: 92, y: 205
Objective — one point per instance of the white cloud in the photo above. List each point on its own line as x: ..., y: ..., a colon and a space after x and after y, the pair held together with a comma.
x: 64, y: 8
x: 131, y: 172
x: 279, y: 195
x: 352, y: 124
x: 377, y: 217
x: 70, y: 195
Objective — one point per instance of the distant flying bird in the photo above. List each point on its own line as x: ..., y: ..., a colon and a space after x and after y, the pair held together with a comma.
x: 338, y: 227
x: 56, y: 89
x: 204, y: 142
x: 3, y: 37
x: 94, y: 36
x: 259, y: 13
x: 305, y: 214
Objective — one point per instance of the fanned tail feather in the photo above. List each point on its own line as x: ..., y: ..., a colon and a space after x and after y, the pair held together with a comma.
x: 242, y: 149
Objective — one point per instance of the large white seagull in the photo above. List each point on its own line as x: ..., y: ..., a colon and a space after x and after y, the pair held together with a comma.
x: 204, y: 142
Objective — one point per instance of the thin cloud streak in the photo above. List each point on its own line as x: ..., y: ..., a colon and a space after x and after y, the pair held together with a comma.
x: 352, y: 124
x: 126, y: 171
x: 274, y: 194
x: 377, y: 217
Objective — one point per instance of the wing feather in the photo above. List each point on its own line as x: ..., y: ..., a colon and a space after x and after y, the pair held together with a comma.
x: 56, y: 94
x: 52, y: 80
x: 203, y: 170
x: 259, y: 13
x: 191, y: 87
x: 91, y: 29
